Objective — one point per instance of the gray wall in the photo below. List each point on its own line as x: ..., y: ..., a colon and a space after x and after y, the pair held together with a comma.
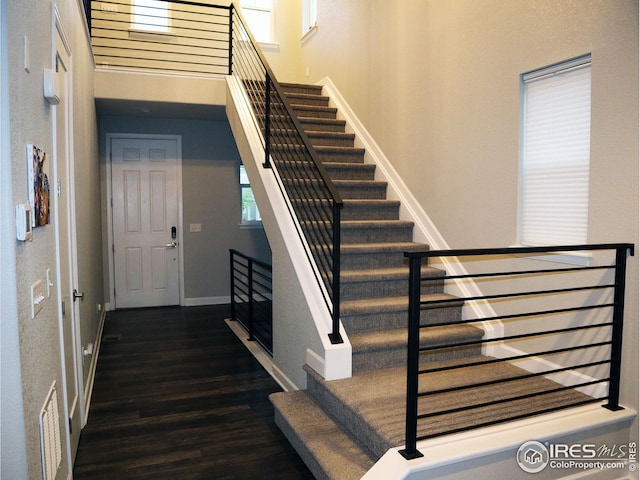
x: 31, y: 355
x: 211, y: 197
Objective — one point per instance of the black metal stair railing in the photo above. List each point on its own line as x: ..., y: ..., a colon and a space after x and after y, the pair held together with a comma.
x: 252, y: 297
x: 313, y: 200
x: 179, y: 36
x: 579, y: 314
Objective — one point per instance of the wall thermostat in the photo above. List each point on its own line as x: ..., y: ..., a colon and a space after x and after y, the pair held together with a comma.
x: 23, y: 222
x: 51, y: 87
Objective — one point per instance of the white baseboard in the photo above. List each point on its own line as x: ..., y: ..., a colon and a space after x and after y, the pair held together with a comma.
x: 88, y: 388
x: 199, y: 301
x: 265, y: 360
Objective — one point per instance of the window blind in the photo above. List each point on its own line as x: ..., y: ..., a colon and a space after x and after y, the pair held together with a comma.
x: 556, y: 153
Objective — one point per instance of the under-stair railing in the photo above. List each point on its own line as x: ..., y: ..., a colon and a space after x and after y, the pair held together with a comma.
x: 567, y: 329
x: 311, y: 196
x: 178, y: 36
x: 251, y: 297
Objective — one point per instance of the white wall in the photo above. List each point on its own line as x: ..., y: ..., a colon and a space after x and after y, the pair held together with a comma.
x: 34, y: 353
x: 437, y: 84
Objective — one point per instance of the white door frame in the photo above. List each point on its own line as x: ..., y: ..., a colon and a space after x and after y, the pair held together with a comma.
x: 60, y: 38
x: 111, y: 304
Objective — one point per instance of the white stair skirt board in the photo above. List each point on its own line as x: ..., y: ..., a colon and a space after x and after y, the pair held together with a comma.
x: 457, y: 452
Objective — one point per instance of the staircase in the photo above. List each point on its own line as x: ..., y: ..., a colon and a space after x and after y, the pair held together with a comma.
x: 342, y: 427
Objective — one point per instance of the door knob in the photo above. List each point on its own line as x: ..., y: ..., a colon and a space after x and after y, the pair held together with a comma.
x: 172, y: 245
x: 77, y: 295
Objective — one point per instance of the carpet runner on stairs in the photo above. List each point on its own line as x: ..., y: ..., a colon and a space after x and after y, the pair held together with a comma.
x: 341, y: 427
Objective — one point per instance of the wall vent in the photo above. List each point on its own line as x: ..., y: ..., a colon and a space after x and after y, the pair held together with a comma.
x: 50, y: 444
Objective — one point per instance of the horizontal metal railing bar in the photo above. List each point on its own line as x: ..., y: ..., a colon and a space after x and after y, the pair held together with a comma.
x: 516, y: 337
x: 254, y: 260
x: 510, y: 399
x: 514, y: 379
x: 520, y: 294
x: 512, y: 358
x: 164, y: 69
x: 109, y: 25
x: 177, y: 2
x: 204, y: 43
x: 523, y: 272
x: 164, y: 60
x: 512, y: 316
x: 509, y: 419
x: 479, y: 252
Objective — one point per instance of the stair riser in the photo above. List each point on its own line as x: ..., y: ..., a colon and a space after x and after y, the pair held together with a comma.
x: 377, y: 321
x: 308, y: 100
x: 362, y: 261
x: 336, y: 140
x: 367, y: 212
x: 376, y: 235
x: 317, y: 112
x: 307, y: 457
x: 397, y: 357
x: 318, y: 126
x: 368, y: 192
x: 299, y: 88
x: 381, y: 288
x: 349, y: 172
x: 346, y: 417
x: 346, y: 156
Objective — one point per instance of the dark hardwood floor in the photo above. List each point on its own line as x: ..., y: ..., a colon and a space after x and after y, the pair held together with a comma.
x: 178, y: 396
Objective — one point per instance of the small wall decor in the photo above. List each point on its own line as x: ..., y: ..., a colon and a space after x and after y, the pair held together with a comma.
x: 38, y: 185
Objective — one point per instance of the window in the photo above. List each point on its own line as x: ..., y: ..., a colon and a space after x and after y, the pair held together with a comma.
x: 150, y: 15
x: 258, y: 14
x: 309, y: 15
x: 554, y: 189
x: 250, y: 212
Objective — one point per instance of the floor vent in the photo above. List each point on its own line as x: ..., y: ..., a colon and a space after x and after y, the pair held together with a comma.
x: 50, y: 443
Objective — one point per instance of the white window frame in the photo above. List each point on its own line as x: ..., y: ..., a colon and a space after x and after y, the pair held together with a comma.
x: 244, y: 187
x: 146, y: 16
x: 555, y: 155
x: 309, y: 18
x: 251, y: 5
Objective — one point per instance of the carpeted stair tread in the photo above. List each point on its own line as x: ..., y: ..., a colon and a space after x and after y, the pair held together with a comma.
x: 328, y: 451
x: 429, y: 337
x: 372, y: 403
x: 360, y: 248
x: 296, y: 98
x: 292, y: 87
x: 323, y: 124
x: 394, y: 304
x: 389, y: 273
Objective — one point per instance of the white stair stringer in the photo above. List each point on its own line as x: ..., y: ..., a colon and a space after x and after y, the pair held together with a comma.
x: 297, y: 294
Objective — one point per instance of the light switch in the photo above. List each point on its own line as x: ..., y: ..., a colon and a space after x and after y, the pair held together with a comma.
x: 37, y: 298
x: 195, y: 227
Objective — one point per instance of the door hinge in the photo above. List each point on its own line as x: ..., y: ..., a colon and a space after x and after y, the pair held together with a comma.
x: 58, y: 187
x: 70, y: 426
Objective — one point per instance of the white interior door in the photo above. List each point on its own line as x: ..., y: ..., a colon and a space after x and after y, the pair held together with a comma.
x: 67, y: 269
x: 144, y: 186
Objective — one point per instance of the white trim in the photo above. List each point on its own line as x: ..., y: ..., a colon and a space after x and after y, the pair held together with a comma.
x: 111, y: 274
x: 263, y: 358
x: 283, y: 380
x: 199, y: 301
x: 337, y: 357
x: 455, y: 450
x: 88, y: 388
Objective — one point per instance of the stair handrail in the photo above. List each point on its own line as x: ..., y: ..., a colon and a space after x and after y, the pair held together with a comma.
x: 326, y: 257
x: 415, y: 324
